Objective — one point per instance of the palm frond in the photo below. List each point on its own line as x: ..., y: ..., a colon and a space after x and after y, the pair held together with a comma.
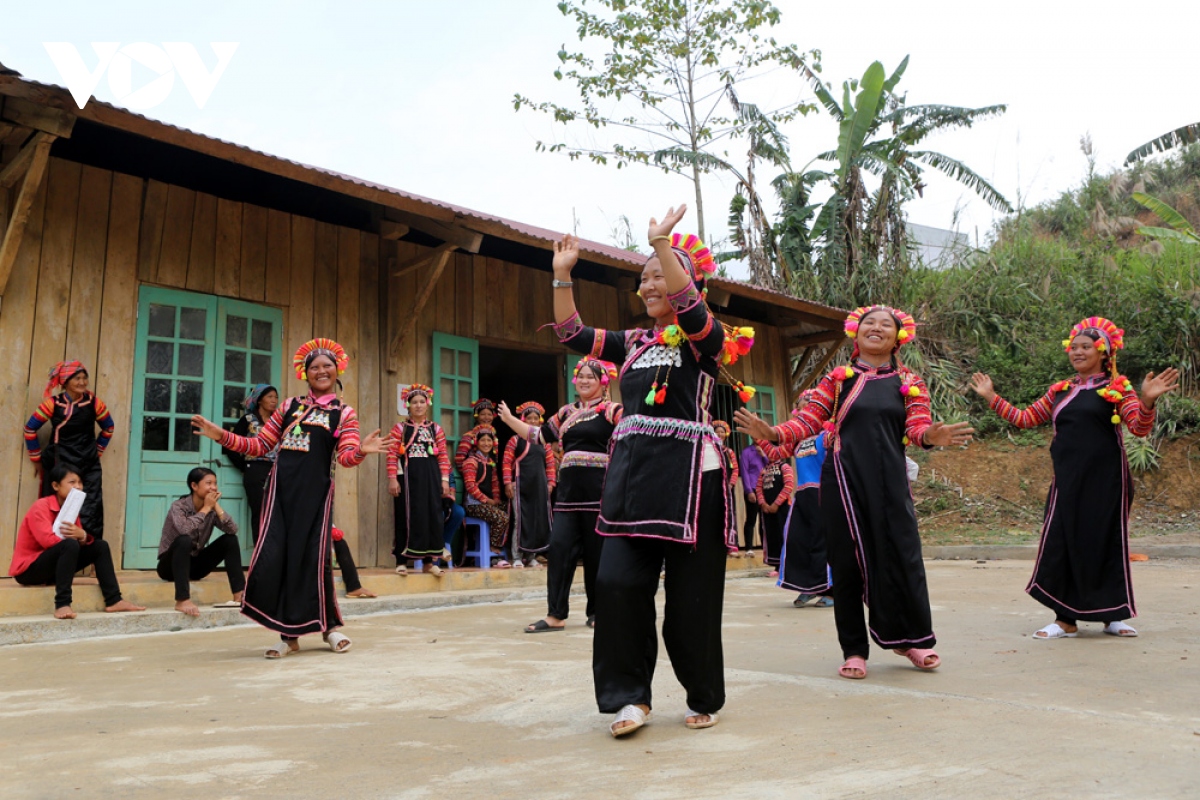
x: 890, y: 84
x: 966, y: 176
x: 854, y: 130
x: 822, y: 92
x: 675, y: 157
x: 1176, y: 138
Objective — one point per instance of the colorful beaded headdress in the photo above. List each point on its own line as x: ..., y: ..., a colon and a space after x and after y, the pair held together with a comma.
x: 906, y: 326
x: 532, y: 405
x: 721, y: 427
x: 251, y: 401
x: 606, y: 371
x: 482, y: 404
x: 1107, y: 336
x: 319, y: 347
x: 62, y: 372
x: 416, y: 388
x: 695, y: 256
x: 480, y: 430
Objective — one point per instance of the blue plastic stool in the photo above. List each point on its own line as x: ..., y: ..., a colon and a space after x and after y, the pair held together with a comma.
x: 483, y: 552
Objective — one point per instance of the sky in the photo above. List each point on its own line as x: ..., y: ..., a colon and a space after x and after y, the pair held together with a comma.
x: 419, y: 95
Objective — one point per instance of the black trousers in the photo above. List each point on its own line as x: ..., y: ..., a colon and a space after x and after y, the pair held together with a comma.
x: 179, y: 565
x: 751, y: 520
x: 574, y: 535
x: 346, y: 562
x: 59, y: 564
x: 255, y: 481
x: 625, y: 647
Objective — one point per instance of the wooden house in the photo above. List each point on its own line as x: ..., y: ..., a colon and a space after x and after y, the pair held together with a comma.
x: 182, y: 269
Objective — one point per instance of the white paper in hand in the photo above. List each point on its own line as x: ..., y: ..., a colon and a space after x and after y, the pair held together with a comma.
x: 69, y: 511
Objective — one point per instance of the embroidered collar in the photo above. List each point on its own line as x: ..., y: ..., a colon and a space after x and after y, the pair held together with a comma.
x: 324, y: 401
x: 1091, y: 381
x: 863, y: 366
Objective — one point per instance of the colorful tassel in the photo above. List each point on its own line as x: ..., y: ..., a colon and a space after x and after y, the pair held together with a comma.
x: 660, y: 396
x: 651, y: 395
x: 1116, y: 419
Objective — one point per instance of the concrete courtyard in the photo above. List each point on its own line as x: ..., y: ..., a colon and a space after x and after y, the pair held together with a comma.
x: 457, y: 702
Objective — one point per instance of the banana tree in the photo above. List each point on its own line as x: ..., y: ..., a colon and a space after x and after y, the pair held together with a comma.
x: 1168, y: 141
x: 1180, y: 231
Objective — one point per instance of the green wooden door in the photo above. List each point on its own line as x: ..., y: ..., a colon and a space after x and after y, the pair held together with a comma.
x: 187, y: 352
x: 455, y: 386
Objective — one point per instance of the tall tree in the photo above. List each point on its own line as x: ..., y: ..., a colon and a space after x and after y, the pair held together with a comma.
x: 664, y: 80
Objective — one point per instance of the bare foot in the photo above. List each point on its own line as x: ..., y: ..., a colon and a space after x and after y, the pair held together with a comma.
x: 64, y: 612
x: 362, y: 592
x: 123, y: 605
x: 629, y: 723
x: 187, y: 607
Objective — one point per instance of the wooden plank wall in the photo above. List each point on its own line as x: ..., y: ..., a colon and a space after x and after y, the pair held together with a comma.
x: 95, y: 236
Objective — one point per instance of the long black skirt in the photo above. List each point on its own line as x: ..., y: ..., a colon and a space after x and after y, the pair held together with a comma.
x: 805, y: 566
x: 419, y: 514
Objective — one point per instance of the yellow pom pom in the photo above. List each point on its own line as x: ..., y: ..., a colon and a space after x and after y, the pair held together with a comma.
x: 1066, y: 343
x: 1100, y: 345
x: 914, y: 391
x: 904, y: 440
x: 1116, y: 419
x: 902, y: 336
x: 847, y: 372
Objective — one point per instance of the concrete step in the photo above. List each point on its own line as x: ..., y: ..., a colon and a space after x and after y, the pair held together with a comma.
x: 26, y: 612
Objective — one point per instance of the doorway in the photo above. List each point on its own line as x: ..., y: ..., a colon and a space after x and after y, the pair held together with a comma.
x: 518, y: 376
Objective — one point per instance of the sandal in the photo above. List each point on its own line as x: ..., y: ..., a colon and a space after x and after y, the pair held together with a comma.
x: 541, y: 626
x: 823, y: 602
x: 518, y: 565
x: 362, y: 591
x: 855, y: 668
x: 1054, y: 631
x: 712, y: 720
x: 282, y: 648
x: 1119, y: 628
x: 401, y: 569
x: 502, y: 564
x: 920, y: 658
x: 335, y: 641
x: 433, y: 569
x: 628, y: 714
x: 803, y: 600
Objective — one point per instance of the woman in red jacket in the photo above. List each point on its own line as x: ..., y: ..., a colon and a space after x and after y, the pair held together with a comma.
x: 482, y: 478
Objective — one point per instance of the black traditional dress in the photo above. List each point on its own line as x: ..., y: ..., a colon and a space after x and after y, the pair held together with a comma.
x: 73, y: 441
x: 289, y: 588
x: 583, y: 430
x: 482, y: 480
x: 664, y: 507
x: 775, y: 483
x: 255, y: 471
x: 529, y: 468
x: 1082, y: 568
x: 866, y: 506
x: 805, y: 566
x: 419, y: 461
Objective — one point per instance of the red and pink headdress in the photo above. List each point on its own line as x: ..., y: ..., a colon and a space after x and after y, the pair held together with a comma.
x: 60, y: 373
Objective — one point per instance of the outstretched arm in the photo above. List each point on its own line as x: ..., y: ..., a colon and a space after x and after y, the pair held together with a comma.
x: 568, y: 325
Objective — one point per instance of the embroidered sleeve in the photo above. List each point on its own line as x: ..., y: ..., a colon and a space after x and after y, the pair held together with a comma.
x: 614, y: 413
x: 496, y: 495
x: 789, y: 484
x: 807, y: 423
x: 41, y: 416
x: 734, y: 472
x: 393, y: 453
x: 1037, y: 414
x: 268, y: 436
x: 1137, y: 418
x: 594, y: 342
x: 464, y: 447
x: 551, y: 467
x: 241, y: 428
x: 702, y: 329
x: 510, y: 456
x: 107, y: 426
x: 349, y: 454
x: 439, y: 437
x: 470, y: 479
x: 917, y: 416
x: 551, y: 430
x: 758, y: 490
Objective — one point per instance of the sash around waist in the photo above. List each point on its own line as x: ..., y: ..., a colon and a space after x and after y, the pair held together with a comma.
x: 582, y: 458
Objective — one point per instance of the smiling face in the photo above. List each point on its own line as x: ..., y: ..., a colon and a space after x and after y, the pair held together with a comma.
x: 78, y: 384
x: 1084, y: 356
x: 587, y: 383
x: 418, y: 406
x: 485, y: 416
x: 485, y: 442
x: 653, y: 289
x: 202, y: 487
x: 877, y: 334
x: 322, y: 373
x: 532, y: 417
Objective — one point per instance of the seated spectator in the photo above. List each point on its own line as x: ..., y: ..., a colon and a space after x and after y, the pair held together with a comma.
x: 43, y: 557
x: 184, y: 552
x: 484, y: 499
x: 345, y: 559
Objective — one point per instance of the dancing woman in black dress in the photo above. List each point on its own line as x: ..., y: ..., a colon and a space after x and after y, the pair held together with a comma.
x: 289, y: 588
x: 1082, y: 568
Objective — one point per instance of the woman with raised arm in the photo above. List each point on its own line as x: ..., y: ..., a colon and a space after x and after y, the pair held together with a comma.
x: 1082, y: 568
x: 871, y: 409
x: 664, y: 505
x: 528, y: 470
x: 583, y: 429
x: 289, y: 588
x: 74, y: 413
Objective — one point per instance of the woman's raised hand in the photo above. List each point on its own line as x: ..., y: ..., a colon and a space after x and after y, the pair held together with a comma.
x: 939, y: 434
x: 504, y: 414
x: 374, y: 443
x: 1155, y: 386
x: 753, y: 427
x: 205, y: 428
x: 566, y: 253
x: 669, y: 222
x: 982, y: 386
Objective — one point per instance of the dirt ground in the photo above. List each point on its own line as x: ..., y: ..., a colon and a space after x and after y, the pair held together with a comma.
x: 994, y: 491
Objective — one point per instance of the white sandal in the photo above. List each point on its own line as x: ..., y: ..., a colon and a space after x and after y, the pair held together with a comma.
x: 628, y: 714
x: 1119, y: 628
x: 280, y: 649
x: 1054, y: 631
x: 712, y: 720
x: 402, y: 569
x: 333, y: 639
